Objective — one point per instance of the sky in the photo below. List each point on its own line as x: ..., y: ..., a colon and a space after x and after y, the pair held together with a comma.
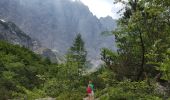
x: 103, y: 8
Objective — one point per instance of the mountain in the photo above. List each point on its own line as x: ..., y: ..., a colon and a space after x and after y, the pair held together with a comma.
x: 55, y: 23
x: 108, y: 23
x: 13, y: 34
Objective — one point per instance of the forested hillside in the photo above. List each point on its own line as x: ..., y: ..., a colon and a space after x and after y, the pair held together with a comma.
x: 26, y: 75
x: 21, y: 70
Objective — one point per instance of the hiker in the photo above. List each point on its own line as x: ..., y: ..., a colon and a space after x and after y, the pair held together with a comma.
x: 92, y: 88
x: 89, y: 92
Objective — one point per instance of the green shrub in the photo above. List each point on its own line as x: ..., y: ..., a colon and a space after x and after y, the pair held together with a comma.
x: 129, y: 91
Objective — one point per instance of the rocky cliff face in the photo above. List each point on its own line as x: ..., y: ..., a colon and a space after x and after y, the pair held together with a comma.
x: 108, y: 23
x: 11, y: 33
x: 55, y: 23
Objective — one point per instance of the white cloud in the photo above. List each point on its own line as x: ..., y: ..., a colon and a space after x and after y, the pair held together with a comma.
x: 103, y: 8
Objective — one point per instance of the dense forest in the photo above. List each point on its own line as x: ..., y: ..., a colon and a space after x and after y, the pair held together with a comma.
x: 138, y: 70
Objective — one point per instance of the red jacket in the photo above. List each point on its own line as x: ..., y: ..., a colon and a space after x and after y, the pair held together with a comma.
x: 88, y: 90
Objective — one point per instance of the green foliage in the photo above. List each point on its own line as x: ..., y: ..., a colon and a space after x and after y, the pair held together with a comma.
x: 165, y: 68
x: 114, y: 62
x: 108, y: 88
x: 20, y: 67
x: 143, y: 41
x: 143, y: 25
x: 64, y: 79
x: 160, y: 58
x: 29, y: 94
x: 142, y: 38
x: 54, y: 87
x: 77, y: 54
x: 127, y: 90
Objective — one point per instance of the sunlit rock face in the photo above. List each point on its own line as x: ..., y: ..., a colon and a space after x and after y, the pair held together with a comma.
x: 56, y: 22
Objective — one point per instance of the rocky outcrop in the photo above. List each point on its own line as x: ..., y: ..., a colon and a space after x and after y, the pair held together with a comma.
x: 11, y: 33
x: 108, y: 23
x: 48, y: 53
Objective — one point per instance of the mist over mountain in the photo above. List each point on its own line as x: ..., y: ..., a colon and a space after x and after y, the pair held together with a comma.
x: 55, y: 23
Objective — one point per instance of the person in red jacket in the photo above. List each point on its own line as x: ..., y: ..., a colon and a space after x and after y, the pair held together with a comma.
x: 92, y: 87
x: 89, y: 92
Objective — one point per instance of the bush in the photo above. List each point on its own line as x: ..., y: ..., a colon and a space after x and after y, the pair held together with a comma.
x: 129, y: 91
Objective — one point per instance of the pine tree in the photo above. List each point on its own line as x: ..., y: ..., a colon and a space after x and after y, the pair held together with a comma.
x: 77, y: 54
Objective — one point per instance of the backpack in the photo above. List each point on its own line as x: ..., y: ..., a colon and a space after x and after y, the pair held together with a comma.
x: 89, y: 90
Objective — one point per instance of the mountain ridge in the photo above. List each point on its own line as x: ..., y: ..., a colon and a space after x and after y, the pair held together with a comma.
x: 55, y: 23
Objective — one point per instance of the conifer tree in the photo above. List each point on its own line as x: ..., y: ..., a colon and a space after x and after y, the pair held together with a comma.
x: 77, y: 54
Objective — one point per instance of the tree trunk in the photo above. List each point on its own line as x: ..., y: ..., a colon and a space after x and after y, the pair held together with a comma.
x: 143, y: 56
